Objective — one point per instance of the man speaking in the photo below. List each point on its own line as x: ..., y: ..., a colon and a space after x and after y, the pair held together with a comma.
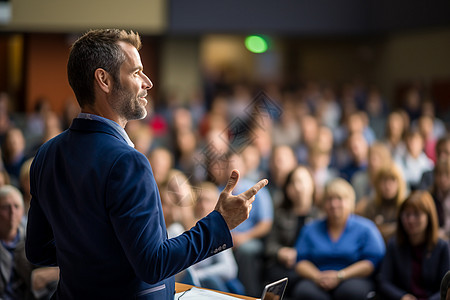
x: 95, y: 209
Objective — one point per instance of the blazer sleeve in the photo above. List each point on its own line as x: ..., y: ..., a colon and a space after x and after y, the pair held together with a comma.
x: 40, y: 243
x: 134, y: 207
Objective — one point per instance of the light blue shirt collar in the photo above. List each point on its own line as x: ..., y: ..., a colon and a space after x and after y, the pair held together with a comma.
x: 119, y: 129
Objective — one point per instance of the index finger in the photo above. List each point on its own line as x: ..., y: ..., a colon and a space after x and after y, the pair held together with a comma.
x: 254, y: 189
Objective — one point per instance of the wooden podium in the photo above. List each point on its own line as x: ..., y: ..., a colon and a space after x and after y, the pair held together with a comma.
x: 181, y: 287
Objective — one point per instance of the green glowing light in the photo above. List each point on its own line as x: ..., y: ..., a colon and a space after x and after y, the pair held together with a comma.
x: 256, y: 44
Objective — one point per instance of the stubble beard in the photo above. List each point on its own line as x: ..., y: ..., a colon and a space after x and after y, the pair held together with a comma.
x: 128, y: 105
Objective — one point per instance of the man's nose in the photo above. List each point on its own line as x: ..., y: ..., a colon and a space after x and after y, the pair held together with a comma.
x: 148, y: 84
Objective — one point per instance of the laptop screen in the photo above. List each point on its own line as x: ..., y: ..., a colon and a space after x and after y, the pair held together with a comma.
x: 275, y: 290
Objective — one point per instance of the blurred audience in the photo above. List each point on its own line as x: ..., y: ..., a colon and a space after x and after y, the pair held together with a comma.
x: 350, y: 131
x: 19, y: 278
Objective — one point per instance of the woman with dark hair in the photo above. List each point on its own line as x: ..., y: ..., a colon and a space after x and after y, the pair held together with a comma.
x: 295, y: 209
x: 416, y: 259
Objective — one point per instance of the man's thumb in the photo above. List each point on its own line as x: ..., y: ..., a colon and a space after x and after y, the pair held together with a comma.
x: 232, y: 181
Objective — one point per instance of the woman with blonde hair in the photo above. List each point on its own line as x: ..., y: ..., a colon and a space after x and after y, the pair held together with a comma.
x: 416, y: 258
x: 390, y: 191
x: 337, y: 255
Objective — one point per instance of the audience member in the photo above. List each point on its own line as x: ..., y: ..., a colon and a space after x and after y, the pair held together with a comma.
x: 14, y: 153
x: 309, y: 127
x: 428, y: 109
x: 376, y: 111
x: 425, y: 127
x: 252, y: 160
x: 327, y: 109
x: 416, y: 259
x: 338, y: 254
x: 415, y: 162
x: 382, y: 208
x: 363, y: 181
x: 185, y: 150
x: 287, y: 130
x: 358, y: 151
x: 24, y: 186
x: 442, y: 153
x: 296, y: 209
x: 319, y: 161
x: 395, y: 133
x: 5, y: 117
x: 141, y: 136
x: 161, y: 161
x: 440, y: 192
x: 282, y: 162
x: 17, y: 281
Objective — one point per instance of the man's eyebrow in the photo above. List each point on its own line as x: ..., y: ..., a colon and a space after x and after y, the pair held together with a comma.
x: 138, y: 68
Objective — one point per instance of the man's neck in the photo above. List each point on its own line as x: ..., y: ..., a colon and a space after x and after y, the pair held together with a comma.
x: 111, y: 116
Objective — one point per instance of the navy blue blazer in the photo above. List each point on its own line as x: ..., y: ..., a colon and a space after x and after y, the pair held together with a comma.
x: 96, y: 213
x: 394, y: 277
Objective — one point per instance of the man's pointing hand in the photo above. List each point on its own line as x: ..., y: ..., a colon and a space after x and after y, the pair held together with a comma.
x: 235, y: 209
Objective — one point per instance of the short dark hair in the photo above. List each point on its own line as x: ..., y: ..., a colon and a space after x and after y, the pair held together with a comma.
x: 96, y: 49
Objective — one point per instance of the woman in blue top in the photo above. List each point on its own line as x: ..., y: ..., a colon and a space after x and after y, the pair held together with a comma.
x: 337, y: 255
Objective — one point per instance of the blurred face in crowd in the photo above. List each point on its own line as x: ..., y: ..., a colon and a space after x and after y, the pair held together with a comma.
x: 300, y: 188
x: 337, y: 207
x: 11, y: 213
x: 414, y: 143
x: 338, y: 201
x: 186, y: 141
x: 14, y: 143
x: 442, y: 180
x: 161, y: 162
x: 358, y: 147
x: 395, y: 124
x: 309, y: 127
x: 389, y: 187
x: 414, y: 221
x: 283, y: 161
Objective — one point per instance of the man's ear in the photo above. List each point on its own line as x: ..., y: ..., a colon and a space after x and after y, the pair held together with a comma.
x: 103, y: 80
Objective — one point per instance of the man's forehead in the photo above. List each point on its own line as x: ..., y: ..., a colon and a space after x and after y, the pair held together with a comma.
x: 128, y: 49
